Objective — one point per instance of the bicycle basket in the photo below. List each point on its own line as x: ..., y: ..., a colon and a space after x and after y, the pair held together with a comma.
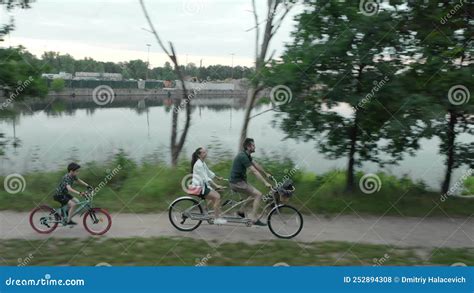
x: 286, y: 189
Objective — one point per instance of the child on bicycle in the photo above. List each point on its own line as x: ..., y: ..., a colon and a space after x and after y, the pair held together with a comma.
x: 64, y: 190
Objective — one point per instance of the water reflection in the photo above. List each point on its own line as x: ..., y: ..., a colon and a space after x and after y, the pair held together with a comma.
x: 45, y: 135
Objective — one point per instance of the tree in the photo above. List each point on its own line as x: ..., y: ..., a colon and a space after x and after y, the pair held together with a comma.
x: 9, y: 5
x: 341, y: 56
x: 176, y: 143
x: 276, y: 13
x: 137, y: 68
x: 442, y: 72
x: 58, y: 84
x: 18, y: 78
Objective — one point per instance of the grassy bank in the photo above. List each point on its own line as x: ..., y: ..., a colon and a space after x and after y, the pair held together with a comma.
x: 190, y: 252
x: 150, y: 187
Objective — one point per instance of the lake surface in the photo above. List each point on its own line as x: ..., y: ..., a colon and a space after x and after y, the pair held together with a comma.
x: 47, y: 139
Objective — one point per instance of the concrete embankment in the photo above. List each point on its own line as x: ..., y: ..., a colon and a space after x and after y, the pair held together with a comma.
x: 85, y: 94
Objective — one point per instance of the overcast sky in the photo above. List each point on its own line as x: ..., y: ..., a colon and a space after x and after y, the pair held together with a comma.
x: 111, y: 30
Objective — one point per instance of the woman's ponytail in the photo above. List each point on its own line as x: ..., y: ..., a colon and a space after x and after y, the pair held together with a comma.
x: 195, y: 157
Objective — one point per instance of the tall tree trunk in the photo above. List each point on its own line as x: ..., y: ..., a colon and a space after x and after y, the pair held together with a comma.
x: 251, y: 97
x: 176, y: 146
x: 174, y: 131
x: 451, y: 136
x: 271, y: 27
x: 353, y: 132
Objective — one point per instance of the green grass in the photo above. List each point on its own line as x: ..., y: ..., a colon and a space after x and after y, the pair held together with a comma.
x: 150, y: 187
x: 469, y: 185
x: 189, y: 252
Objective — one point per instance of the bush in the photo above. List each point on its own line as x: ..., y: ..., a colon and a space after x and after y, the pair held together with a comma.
x: 469, y: 185
x: 58, y: 85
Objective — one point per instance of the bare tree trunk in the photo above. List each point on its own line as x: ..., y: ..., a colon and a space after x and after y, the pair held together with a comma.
x: 271, y: 27
x: 251, y: 98
x: 176, y: 145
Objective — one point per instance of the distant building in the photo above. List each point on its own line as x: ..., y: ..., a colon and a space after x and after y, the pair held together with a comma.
x: 168, y: 84
x: 206, y: 85
x: 61, y: 75
x: 97, y: 76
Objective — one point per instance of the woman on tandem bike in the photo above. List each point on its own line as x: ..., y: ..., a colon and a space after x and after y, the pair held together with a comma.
x: 187, y: 213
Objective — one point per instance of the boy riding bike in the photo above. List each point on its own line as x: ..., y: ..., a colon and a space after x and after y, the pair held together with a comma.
x: 64, y: 189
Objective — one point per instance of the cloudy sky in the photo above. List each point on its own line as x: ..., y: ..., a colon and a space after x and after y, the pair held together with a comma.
x: 112, y: 30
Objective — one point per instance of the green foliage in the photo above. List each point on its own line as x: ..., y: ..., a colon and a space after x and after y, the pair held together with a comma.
x: 9, y: 5
x: 443, y: 65
x: 54, y: 62
x: 341, y: 56
x: 150, y: 187
x: 19, y: 78
x: 469, y: 186
x: 58, y: 84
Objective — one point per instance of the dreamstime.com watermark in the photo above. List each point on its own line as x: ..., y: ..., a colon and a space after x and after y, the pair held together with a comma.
x: 14, y: 183
x: 281, y: 95
x: 377, y: 86
x: 459, y: 95
x: 453, y: 11
x: 187, y: 183
x: 22, y: 85
x: 458, y: 185
x: 25, y: 261
x: 103, y: 95
x: 202, y: 262
x: 369, y: 7
x: 380, y: 261
x: 103, y: 264
x: 46, y: 281
x: 110, y: 175
x: 190, y: 96
x: 192, y: 7
x: 370, y: 183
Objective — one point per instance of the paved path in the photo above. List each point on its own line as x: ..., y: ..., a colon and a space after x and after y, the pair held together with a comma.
x: 396, y: 231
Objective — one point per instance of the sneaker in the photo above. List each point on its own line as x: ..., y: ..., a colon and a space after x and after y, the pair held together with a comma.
x: 71, y: 223
x: 259, y: 223
x: 241, y: 214
x: 220, y: 221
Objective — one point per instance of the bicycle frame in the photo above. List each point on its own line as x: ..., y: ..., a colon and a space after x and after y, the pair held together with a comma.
x: 235, y: 219
x: 81, y: 207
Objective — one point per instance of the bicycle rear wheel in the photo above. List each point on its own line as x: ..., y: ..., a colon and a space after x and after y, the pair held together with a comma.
x: 44, y: 219
x: 181, y: 212
x: 285, y: 221
x: 97, y: 221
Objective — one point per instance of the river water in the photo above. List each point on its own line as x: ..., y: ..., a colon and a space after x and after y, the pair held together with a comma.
x: 48, y: 138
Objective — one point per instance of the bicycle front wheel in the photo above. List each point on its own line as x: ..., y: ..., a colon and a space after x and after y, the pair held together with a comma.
x: 285, y: 221
x: 97, y: 221
x: 184, y: 214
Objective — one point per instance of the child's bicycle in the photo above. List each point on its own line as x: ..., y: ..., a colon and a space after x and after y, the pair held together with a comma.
x: 187, y: 213
x: 45, y: 219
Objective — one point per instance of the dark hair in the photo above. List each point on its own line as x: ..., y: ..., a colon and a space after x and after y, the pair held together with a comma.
x: 247, y: 142
x: 195, y: 157
x: 73, y: 167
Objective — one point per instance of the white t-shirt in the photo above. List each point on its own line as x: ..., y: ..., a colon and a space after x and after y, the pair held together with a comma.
x: 202, y: 176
